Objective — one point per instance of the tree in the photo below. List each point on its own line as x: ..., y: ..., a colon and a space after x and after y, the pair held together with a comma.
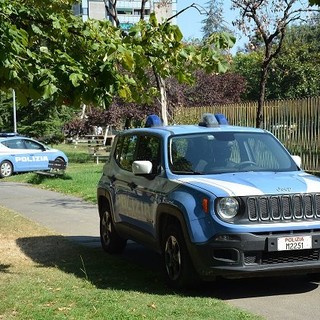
x: 47, y: 53
x: 296, y: 71
x: 207, y: 90
x: 214, y: 20
x: 270, y: 20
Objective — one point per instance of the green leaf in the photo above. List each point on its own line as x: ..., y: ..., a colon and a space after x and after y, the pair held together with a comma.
x: 125, y: 93
x: 128, y: 61
x: 49, y: 90
x: 36, y: 29
x: 75, y: 79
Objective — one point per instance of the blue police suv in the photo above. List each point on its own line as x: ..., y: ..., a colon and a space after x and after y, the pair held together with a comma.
x: 214, y: 200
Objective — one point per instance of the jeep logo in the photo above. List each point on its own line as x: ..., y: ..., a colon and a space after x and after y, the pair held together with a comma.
x: 281, y: 189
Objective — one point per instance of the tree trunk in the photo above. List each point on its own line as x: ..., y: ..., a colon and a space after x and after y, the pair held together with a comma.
x: 163, y: 100
x: 143, y: 7
x: 110, y: 6
x: 161, y: 84
x: 262, y: 92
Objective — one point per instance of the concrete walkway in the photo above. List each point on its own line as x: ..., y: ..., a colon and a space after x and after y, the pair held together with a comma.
x: 67, y: 215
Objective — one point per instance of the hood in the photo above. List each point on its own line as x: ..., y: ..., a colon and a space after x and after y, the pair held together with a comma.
x: 255, y: 183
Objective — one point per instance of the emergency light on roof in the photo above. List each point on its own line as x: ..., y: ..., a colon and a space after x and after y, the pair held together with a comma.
x: 213, y: 120
x: 153, y: 121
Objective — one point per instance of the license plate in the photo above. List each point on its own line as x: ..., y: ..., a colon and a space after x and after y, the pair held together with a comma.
x: 294, y: 243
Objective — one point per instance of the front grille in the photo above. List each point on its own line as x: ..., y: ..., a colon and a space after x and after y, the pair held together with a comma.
x: 279, y: 257
x: 290, y: 207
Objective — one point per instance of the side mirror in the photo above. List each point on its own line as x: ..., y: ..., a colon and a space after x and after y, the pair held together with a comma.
x: 141, y: 167
x: 297, y: 160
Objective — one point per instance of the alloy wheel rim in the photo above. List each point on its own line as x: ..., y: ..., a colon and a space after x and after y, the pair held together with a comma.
x: 106, y: 223
x: 6, y: 170
x: 173, y: 258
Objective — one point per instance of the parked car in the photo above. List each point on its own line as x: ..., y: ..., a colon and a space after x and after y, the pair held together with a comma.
x: 214, y: 200
x: 22, y: 154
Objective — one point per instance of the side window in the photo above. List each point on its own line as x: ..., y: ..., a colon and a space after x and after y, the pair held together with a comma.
x: 149, y: 149
x: 124, y: 153
x: 14, y: 144
x: 179, y: 158
x: 33, y: 145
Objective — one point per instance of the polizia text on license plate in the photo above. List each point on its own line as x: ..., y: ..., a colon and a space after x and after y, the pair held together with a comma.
x: 294, y: 243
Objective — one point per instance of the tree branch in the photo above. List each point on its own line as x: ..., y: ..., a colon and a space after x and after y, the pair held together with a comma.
x: 199, y: 8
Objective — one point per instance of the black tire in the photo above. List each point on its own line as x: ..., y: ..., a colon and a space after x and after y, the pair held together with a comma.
x: 59, y: 159
x: 177, y: 264
x: 6, y: 169
x: 110, y: 240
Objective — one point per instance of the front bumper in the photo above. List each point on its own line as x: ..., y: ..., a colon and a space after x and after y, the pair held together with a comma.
x: 246, y: 255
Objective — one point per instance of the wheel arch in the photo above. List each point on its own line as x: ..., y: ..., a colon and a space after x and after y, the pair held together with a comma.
x: 60, y: 158
x: 167, y: 214
x: 104, y: 202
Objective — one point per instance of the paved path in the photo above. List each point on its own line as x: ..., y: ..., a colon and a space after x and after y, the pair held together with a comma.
x: 67, y: 215
x: 276, y: 299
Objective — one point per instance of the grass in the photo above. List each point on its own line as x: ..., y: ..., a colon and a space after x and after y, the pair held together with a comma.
x: 80, y: 180
x: 45, y: 276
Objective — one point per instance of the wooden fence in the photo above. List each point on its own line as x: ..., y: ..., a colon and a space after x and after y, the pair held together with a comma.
x: 296, y: 123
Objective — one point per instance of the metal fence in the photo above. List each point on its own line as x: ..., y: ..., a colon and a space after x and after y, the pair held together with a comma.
x: 295, y: 123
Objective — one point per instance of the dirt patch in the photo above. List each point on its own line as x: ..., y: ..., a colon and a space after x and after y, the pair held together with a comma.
x: 24, y: 244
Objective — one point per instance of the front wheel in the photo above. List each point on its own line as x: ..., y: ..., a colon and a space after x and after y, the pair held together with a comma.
x: 178, y: 267
x: 6, y: 169
x: 110, y: 240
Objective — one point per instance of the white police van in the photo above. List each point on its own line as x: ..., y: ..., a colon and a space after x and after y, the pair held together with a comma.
x: 213, y: 199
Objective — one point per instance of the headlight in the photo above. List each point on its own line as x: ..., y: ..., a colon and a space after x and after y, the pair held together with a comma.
x: 227, y: 208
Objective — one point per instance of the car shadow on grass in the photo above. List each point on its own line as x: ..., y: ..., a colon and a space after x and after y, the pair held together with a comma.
x: 139, y: 269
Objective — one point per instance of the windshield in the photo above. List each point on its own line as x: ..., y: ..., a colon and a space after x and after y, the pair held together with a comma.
x: 221, y: 152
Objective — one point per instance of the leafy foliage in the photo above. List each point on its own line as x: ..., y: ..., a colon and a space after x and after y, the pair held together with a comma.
x: 294, y: 74
x: 269, y: 20
x: 47, y: 52
x: 52, y: 58
x: 208, y: 90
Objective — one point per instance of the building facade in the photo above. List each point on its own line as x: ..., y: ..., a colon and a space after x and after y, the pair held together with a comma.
x: 128, y: 12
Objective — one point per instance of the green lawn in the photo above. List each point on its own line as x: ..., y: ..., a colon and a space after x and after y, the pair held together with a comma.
x: 45, y: 276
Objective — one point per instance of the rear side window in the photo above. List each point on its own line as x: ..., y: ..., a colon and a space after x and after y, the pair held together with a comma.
x: 14, y: 144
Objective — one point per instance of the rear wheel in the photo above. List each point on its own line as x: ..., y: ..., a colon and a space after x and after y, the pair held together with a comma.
x: 110, y: 240
x: 178, y: 267
x: 6, y: 169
